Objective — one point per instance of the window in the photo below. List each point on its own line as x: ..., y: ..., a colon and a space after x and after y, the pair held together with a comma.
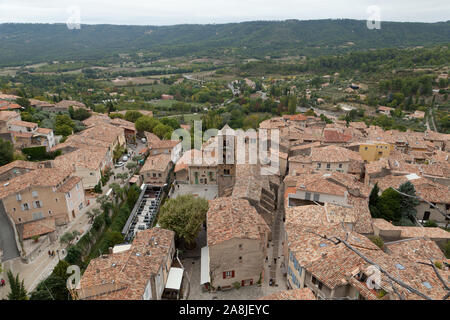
x: 426, y: 215
x: 154, y: 175
x: 240, y: 246
x: 365, y: 148
x: 228, y: 274
x: 319, y: 165
x: 316, y: 196
x: 307, y: 196
x: 240, y: 259
x: 340, y: 165
x: 447, y: 207
x: 80, y: 206
x: 68, y: 195
x: 159, y: 175
x: 328, y: 166
x: 56, y: 200
x: 25, y: 207
x: 91, y: 173
x: 34, y: 194
x: 14, y: 209
x: 226, y: 171
x: 77, y: 186
x: 18, y: 197
x: 50, y: 212
x: 37, y: 204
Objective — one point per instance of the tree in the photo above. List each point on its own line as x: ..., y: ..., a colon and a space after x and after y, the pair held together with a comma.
x: 64, y: 120
x: 113, y: 238
x: 146, y: 123
x: 6, y: 152
x: 408, y: 204
x: 132, y: 115
x: 162, y: 130
x: 389, y: 205
x: 63, y: 130
x: 98, y: 187
x: 18, y: 291
x: 74, y: 255
x: 118, y: 191
x: 185, y: 215
x: 23, y: 102
x: 81, y: 114
x: 292, y: 104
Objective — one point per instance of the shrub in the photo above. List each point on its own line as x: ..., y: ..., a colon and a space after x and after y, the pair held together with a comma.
x: 377, y: 241
x: 74, y: 255
x: 430, y: 224
x: 237, y: 285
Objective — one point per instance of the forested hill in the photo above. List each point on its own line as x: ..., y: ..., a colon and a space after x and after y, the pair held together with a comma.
x: 29, y: 43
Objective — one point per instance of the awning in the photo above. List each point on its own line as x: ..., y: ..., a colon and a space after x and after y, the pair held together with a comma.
x: 204, y: 266
x: 174, y: 279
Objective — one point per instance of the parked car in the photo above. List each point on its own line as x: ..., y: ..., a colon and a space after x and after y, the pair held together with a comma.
x: 144, y: 140
x: 125, y: 158
x: 119, y: 164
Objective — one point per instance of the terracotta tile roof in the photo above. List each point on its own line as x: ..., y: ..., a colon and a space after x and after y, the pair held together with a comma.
x: 273, y: 123
x: 96, y: 119
x: 70, y: 103
x: 69, y: 184
x: 335, y: 136
x: 26, y: 124
x: 412, y: 232
x: 27, y: 135
x: 419, y: 249
x: 91, y: 158
x: 383, y: 108
x: 102, y: 132
x: 249, y: 183
x: 38, y: 228
x: 45, y: 177
x: 229, y: 218
x: 334, y: 154
x: 44, y: 131
x: 376, y: 166
x: 158, y: 162
x: 296, y: 168
x: 19, y: 164
x: 425, y: 188
x: 296, y: 294
x: 331, y: 214
x: 335, y: 265
x: 319, y: 183
x: 295, y: 117
x: 6, y: 115
x: 124, y: 275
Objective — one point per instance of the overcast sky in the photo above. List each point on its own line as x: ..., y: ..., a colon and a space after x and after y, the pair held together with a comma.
x: 169, y: 12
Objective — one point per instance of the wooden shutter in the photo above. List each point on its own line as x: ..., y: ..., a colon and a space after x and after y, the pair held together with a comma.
x: 232, y: 274
x: 224, y: 275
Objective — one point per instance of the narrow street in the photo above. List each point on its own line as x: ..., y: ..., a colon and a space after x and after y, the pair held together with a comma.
x: 277, y: 239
